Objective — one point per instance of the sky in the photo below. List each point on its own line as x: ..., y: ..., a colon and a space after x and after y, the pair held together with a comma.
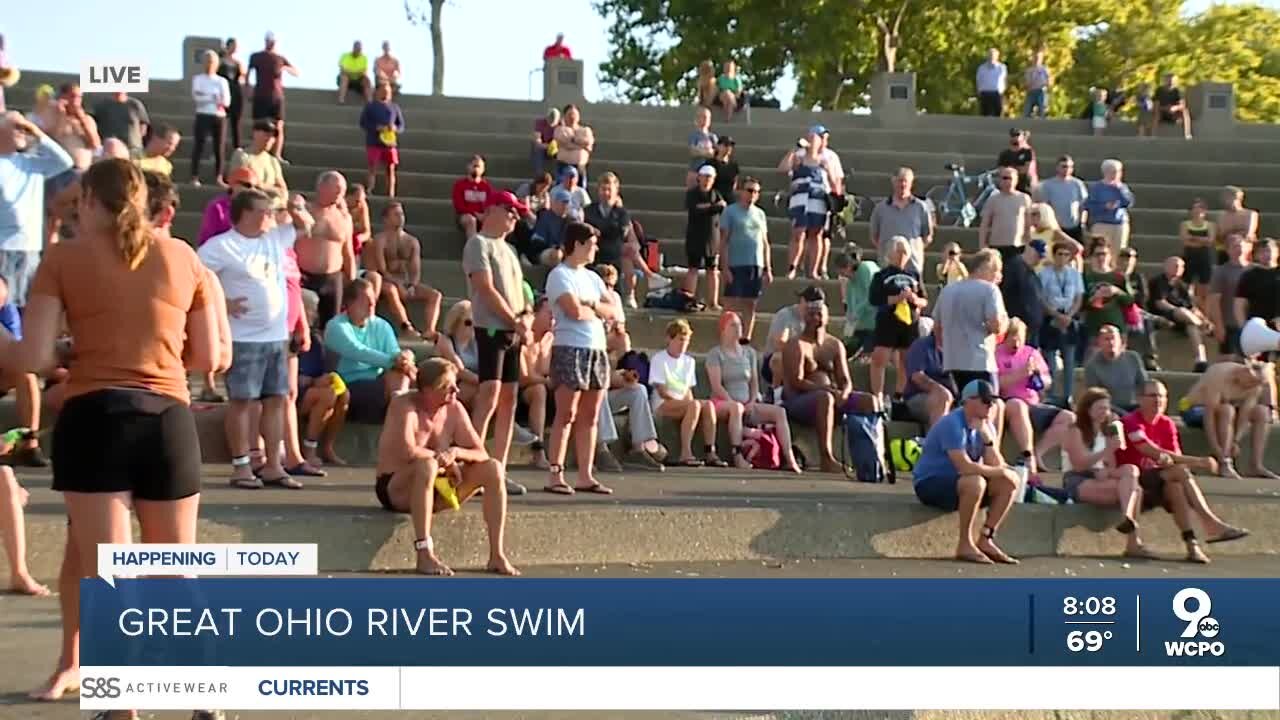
x: 491, y: 46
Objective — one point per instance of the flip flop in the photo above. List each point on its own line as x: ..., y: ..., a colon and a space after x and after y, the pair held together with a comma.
x: 1142, y: 553
x: 305, y: 470
x: 689, y: 462
x: 558, y: 489
x: 597, y: 488
x: 715, y: 462
x: 1232, y: 533
x: 253, y: 483
x: 283, y: 481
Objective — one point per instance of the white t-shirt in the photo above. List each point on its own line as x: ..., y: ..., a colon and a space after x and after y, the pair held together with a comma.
x: 253, y: 269
x: 212, y: 94
x: 679, y: 375
x: 585, y: 285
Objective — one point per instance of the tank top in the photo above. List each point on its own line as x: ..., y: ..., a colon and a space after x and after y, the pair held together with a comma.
x: 1200, y: 231
x: 1099, y: 442
x: 468, y: 354
x: 229, y: 68
x: 1046, y: 236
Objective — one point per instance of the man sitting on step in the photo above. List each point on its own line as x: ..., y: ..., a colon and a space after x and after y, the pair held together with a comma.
x: 371, y: 362
x: 816, y: 383
x: 397, y: 257
x: 1225, y: 392
x: 1119, y: 371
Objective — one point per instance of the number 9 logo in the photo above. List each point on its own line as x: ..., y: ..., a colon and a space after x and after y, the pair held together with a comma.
x: 1203, y: 605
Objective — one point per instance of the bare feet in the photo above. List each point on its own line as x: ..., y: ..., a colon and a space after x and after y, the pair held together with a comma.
x: 429, y: 564
x: 1196, y: 555
x: 972, y: 554
x: 1138, y: 551
x: 993, y: 551
x: 741, y: 463
x: 24, y: 584
x: 61, y: 682
x: 330, y: 457
x: 1262, y: 472
x: 832, y: 465
x: 502, y: 566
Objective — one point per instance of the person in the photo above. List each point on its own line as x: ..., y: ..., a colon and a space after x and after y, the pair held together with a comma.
x: 266, y: 166
x: 704, y: 205
x: 952, y: 268
x: 326, y: 255
x: 1170, y: 299
x: 744, y: 255
x: 382, y: 122
x: 1099, y: 112
x: 386, y: 69
x: 970, y: 314
x: 370, y: 361
x: 1092, y: 474
x: 1036, y: 79
x: 617, y: 242
x: 992, y: 79
x: 930, y: 392
x: 502, y: 320
x: 579, y: 199
x: 672, y: 378
x: 353, y: 73
x: 1226, y: 400
x: 544, y: 135
x: 960, y: 468
x: 1024, y: 376
x: 123, y: 118
x: 1067, y: 195
x: 1063, y: 288
x: 899, y: 297
x: 574, y: 143
x: 427, y: 441
x: 1021, y: 157
x: 1042, y: 225
x: 706, y: 84
x: 25, y: 449
x: 726, y: 167
x: 1222, y: 295
x: 816, y: 382
x: 1106, y: 291
x: 9, y: 74
x: 457, y: 344
x: 856, y: 275
x: 1004, y: 216
x: 702, y: 144
x: 628, y: 395
x: 1108, y: 206
x: 1171, y: 106
x: 396, y: 256
x: 268, y: 68
x: 1234, y: 219
x: 729, y: 90
x: 579, y: 359
x: 233, y: 71
x: 1141, y: 323
x: 323, y: 400
x: 546, y: 240
x: 904, y: 214
x: 535, y: 378
x: 28, y: 157
x: 75, y: 130
x: 807, y: 207
x: 161, y: 144
x: 143, y: 312
x: 13, y: 498
x: 1120, y: 372
x: 1199, y: 238
x: 249, y: 261
x: 1023, y: 292
x: 733, y: 371
x: 557, y: 50
x: 470, y: 195
x: 212, y: 95
x: 1258, y: 291
x: 536, y: 192
x: 1165, y: 473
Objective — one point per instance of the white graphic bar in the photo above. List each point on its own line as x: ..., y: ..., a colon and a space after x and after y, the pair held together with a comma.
x: 680, y: 688
x: 134, y: 560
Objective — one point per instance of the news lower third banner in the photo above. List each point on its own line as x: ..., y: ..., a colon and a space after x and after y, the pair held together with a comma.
x: 410, y: 643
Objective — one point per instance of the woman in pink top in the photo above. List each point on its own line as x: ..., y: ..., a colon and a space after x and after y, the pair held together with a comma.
x: 217, y: 214
x: 1023, y: 376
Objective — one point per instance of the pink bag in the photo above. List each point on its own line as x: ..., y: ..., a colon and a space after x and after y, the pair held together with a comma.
x: 1133, y: 317
x: 764, y: 450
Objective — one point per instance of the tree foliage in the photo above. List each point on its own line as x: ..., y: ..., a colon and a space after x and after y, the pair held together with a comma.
x: 834, y: 47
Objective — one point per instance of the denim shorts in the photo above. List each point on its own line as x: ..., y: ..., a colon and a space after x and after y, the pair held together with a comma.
x: 258, y: 370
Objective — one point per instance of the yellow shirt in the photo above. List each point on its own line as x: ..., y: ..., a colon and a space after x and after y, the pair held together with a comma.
x: 266, y: 167
x: 354, y: 65
x: 158, y: 163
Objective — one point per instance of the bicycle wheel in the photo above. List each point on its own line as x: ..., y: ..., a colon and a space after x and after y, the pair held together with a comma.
x: 939, y: 197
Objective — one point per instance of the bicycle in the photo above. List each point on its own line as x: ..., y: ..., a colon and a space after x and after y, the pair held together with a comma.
x: 952, y: 201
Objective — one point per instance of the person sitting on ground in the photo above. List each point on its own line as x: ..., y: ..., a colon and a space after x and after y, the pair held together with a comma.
x: 544, y: 247
x: 457, y: 344
x: 574, y: 143
x: 899, y: 297
x: 816, y: 383
x: 396, y: 256
x: 470, y: 194
x: 536, y: 193
x: 1170, y: 299
x: 1118, y: 371
x: 704, y: 205
x: 1141, y: 324
x: 430, y: 458
x: 353, y: 73
x: 733, y: 371
x: 386, y: 69
x: 1226, y: 401
x: 729, y: 88
x: 544, y: 134
x: 702, y: 145
x: 1042, y: 225
x: 382, y: 122
x: 13, y: 527
x: 672, y: 378
x: 628, y: 394
x: 1093, y: 476
x: 788, y: 322
x: 1106, y: 291
x: 371, y: 362
x: 1198, y: 237
x: 856, y: 274
x: 1024, y: 376
x: 1165, y: 473
x: 1171, y: 107
x: 323, y: 400
x: 162, y: 143
x: 960, y: 468
x: 930, y: 390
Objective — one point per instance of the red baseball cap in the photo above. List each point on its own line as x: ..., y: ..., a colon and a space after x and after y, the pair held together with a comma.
x: 507, y: 200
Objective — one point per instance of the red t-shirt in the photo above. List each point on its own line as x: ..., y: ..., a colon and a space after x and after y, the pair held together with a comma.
x: 268, y: 74
x: 557, y: 51
x: 469, y: 196
x: 1160, y: 432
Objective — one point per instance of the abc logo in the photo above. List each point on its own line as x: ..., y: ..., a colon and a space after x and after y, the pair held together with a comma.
x: 106, y: 688
x: 1192, y: 606
x: 1208, y: 628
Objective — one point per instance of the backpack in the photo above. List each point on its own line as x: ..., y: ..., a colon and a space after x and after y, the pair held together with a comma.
x: 864, y: 439
x: 650, y: 251
x: 674, y: 299
x: 767, y: 450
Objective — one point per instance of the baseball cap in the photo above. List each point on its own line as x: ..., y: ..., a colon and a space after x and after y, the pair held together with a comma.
x: 507, y: 200
x: 243, y: 175
x: 725, y: 140
x: 707, y: 170
x: 1040, y: 247
x: 270, y: 37
x: 813, y: 293
x: 819, y: 130
x: 980, y: 389
x: 569, y: 171
x: 559, y: 194
x: 264, y: 125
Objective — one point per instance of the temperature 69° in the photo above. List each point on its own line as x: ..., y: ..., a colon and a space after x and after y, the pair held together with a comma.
x: 1087, y: 640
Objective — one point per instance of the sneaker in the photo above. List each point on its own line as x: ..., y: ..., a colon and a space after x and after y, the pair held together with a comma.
x: 605, y: 461
x: 631, y: 301
x: 659, y: 282
x: 522, y: 436
x: 1201, y: 366
x: 515, y: 488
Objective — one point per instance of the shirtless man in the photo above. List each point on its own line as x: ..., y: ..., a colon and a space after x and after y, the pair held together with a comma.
x: 1235, y: 219
x: 386, y: 68
x: 816, y: 383
x: 428, y: 434
x: 77, y: 132
x: 397, y: 257
x: 325, y: 256
x: 1223, y: 401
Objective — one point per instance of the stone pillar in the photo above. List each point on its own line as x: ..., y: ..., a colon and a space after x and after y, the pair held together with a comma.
x: 1213, y: 109
x: 562, y: 82
x: 893, y: 98
x: 192, y: 47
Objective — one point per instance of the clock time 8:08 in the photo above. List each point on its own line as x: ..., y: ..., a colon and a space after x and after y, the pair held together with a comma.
x: 1089, y: 606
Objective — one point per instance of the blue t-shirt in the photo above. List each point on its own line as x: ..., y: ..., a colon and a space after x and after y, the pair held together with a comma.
x: 11, y: 320
x: 924, y: 356
x: 586, y: 286
x: 747, y: 228
x: 951, y: 433
x: 311, y: 362
x: 377, y: 115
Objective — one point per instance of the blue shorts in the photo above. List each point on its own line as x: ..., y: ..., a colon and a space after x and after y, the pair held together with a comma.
x: 747, y: 282
x: 943, y: 493
x: 258, y: 370
x: 804, y: 218
x: 1193, y: 416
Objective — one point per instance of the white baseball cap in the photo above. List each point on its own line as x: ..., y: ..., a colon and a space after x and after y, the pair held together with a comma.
x: 707, y: 170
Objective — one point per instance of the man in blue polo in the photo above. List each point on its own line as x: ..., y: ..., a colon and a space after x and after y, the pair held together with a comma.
x: 960, y: 468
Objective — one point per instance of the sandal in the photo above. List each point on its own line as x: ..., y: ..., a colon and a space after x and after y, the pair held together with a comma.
x: 596, y: 488
x: 557, y: 488
x: 283, y: 481
x: 1231, y: 533
x: 249, y: 483
x: 713, y: 460
x: 306, y: 470
x: 689, y: 462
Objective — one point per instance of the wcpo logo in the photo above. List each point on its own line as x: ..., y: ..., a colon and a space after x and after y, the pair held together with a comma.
x: 100, y: 688
x: 112, y: 76
x: 1193, y: 606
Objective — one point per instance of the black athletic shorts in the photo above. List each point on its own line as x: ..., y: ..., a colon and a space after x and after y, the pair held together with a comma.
x: 890, y: 332
x: 1199, y: 264
x: 700, y: 255
x: 499, y: 355
x: 268, y: 108
x: 121, y: 440
x: 1152, y: 485
x: 384, y: 496
x: 964, y: 377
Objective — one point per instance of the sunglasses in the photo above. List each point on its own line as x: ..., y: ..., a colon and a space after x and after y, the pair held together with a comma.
x: 752, y: 190
x: 467, y: 322
x: 953, y: 253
